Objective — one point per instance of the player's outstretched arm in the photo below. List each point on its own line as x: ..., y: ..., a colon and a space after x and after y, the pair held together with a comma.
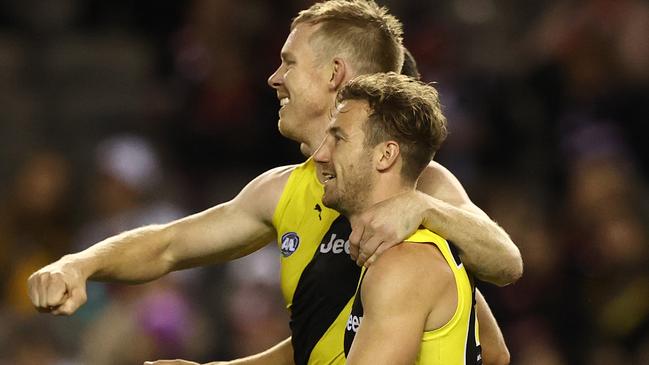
x: 224, y: 232
x: 445, y: 208
x: 280, y: 354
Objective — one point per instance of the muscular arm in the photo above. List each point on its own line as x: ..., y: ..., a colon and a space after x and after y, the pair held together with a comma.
x: 485, y: 248
x: 401, y: 301
x: 280, y: 354
x: 445, y: 208
x: 221, y: 233
x: 494, y: 349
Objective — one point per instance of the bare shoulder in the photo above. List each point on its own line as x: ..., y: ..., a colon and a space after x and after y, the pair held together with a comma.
x: 409, y: 272
x: 438, y: 182
x: 262, y: 194
x: 275, y: 178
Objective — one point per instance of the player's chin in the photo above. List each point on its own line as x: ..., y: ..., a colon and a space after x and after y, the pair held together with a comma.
x: 328, y: 199
x: 287, y: 130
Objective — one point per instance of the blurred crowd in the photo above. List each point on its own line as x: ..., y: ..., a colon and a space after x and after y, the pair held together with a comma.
x: 124, y: 113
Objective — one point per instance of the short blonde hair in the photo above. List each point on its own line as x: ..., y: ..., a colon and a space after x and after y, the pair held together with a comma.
x: 402, y: 109
x: 361, y: 30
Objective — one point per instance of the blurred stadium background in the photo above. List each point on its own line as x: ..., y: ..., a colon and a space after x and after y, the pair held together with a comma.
x: 122, y: 113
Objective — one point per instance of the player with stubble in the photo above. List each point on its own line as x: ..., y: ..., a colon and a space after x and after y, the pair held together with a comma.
x: 329, y: 44
x: 414, y: 305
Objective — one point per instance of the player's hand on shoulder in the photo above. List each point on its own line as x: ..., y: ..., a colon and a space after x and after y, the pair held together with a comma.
x: 384, y: 225
x: 58, y: 288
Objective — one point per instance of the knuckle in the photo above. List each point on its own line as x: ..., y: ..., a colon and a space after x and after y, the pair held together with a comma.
x: 56, y: 277
x: 65, y: 310
x: 384, y: 246
x: 380, y: 249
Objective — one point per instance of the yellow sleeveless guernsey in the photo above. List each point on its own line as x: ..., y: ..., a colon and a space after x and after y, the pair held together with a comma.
x: 455, y: 343
x: 317, y: 276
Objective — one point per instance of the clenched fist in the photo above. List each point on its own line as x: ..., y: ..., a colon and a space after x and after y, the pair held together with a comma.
x: 58, y: 288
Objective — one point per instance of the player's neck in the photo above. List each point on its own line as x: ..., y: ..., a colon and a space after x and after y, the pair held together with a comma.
x: 386, y: 186
x: 310, y: 144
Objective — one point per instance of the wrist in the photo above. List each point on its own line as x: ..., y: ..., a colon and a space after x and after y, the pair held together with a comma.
x: 433, y: 213
x: 79, y: 264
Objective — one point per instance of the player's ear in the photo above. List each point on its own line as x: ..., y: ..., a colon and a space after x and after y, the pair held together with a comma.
x: 388, y: 154
x: 338, y: 73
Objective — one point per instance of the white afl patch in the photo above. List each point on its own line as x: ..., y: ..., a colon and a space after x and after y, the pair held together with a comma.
x: 290, y: 243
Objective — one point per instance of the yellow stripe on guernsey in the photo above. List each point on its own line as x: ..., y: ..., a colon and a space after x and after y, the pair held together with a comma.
x: 457, y: 341
x: 318, y: 278
x: 296, y: 213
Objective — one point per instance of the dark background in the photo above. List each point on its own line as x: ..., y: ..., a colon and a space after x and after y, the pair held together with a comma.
x: 123, y: 113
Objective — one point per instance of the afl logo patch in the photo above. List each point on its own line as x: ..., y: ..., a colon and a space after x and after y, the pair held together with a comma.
x: 290, y: 242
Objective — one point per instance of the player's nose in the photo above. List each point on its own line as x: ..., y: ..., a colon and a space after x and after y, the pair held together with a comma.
x: 322, y: 154
x: 275, y: 79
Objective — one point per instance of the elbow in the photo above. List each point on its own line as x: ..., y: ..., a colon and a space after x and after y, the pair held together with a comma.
x: 501, y: 359
x: 512, y: 269
x: 516, y: 267
x: 518, y: 271
x: 166, y: 257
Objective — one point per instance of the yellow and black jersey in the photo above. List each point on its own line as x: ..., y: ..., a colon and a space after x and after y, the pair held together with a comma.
x: 455, y: 343
x: 318, y: 277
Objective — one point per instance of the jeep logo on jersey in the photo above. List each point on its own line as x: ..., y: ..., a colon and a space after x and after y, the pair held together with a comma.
x: 290, y: 242
x: 335, y: 245
x: 353, y: 322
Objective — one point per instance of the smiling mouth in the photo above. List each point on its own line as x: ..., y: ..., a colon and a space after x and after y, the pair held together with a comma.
x: 284, y: 101
x: 328, y: 177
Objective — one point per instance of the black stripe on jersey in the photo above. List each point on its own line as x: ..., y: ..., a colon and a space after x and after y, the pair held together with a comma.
x: 325, y: 286
x: 357, y: 311
x: 473, y: 350
x: 455, y: 253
